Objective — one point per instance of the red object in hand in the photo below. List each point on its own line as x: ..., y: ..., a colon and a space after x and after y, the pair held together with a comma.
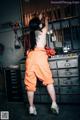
x: 50, y: 51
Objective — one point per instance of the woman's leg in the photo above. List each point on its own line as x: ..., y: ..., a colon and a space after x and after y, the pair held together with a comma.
x: 32, y: 109
x: 51, y: 92
x: 30, y: 95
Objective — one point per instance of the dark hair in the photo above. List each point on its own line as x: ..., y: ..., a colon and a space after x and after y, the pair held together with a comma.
x: 32, y: 40
x: 34, y: 24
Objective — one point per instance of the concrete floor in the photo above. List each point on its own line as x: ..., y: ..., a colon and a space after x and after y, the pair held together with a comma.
x: 19, y: 111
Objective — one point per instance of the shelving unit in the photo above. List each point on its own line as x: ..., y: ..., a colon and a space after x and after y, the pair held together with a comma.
x: 13, y: 84
x: 66, y: 75
x: 69, y: 29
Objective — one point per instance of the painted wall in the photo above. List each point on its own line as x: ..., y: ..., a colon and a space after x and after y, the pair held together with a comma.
x: 9, y: 12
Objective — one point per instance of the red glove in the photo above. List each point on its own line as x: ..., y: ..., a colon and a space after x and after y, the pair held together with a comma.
x: 50, y: 51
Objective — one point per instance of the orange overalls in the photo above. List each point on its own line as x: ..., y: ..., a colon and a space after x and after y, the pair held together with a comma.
x: 37, y: 66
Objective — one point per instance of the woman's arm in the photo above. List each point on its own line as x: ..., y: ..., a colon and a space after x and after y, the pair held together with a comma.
x: 46, y: 23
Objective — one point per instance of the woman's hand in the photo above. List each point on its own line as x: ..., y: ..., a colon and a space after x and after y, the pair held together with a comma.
x: 40, y: 16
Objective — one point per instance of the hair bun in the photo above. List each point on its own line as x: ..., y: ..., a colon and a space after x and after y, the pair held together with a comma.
x: 35, y: 24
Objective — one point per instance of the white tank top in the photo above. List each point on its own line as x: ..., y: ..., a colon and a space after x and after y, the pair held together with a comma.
x: 40, y: 39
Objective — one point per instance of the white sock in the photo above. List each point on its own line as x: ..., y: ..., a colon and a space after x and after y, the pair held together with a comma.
x: 54, y: 103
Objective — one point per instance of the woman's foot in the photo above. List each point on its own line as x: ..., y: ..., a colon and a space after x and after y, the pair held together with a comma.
x: 55, y: 108
x: 32, y: 110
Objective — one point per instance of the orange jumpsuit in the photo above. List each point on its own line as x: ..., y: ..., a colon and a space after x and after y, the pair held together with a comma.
x: 37, y: 66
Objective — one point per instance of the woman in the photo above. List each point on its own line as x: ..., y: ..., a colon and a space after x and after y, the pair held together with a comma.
x: 37, y: 65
